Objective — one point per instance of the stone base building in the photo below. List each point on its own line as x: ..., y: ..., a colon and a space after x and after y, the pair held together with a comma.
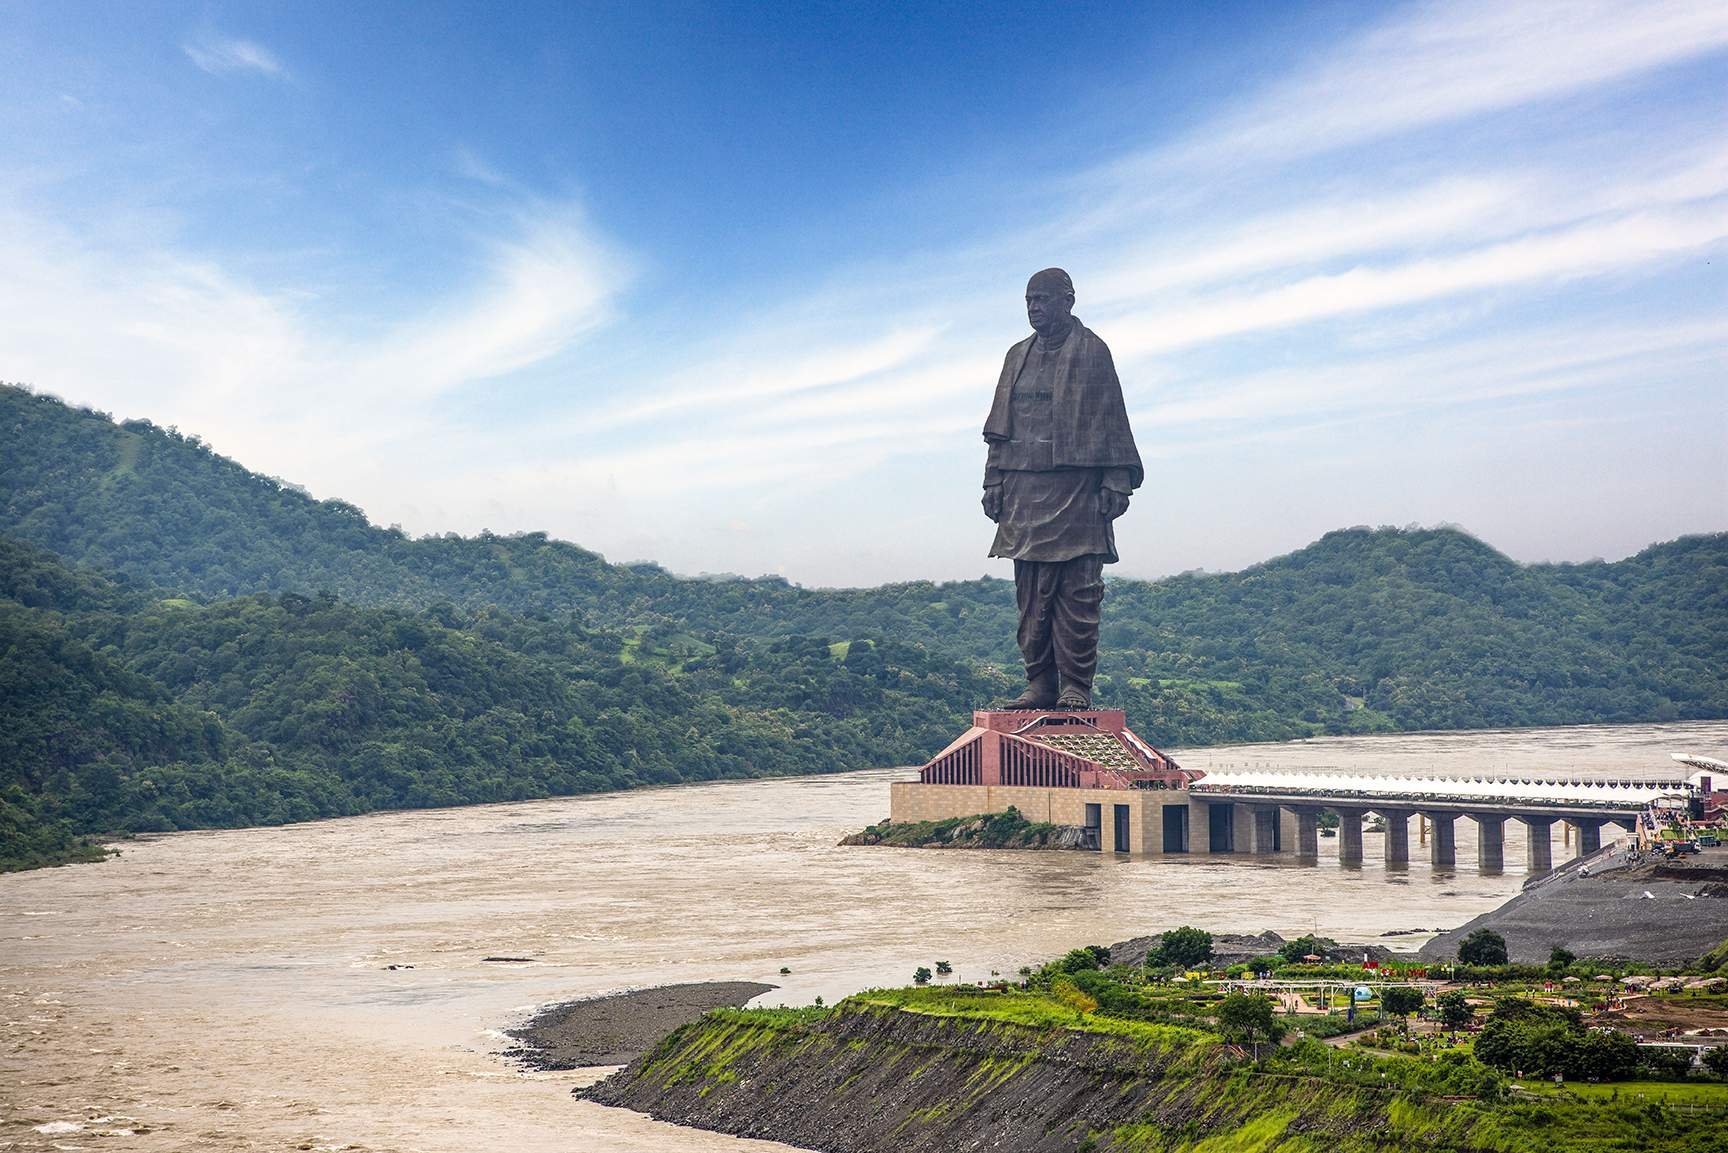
x: 1087, y: 769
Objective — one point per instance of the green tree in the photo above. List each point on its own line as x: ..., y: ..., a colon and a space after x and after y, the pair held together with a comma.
x: 1183, y: 947
x: 1455, y: 1011
x: 1249, y: 1019
x: 1483, y: 947
x: 1660, y: 1061
x: 1306, y: 945
x: 1561, y: 957
x: 921, y: 975
x: 1401, y: 1000
x: 1716, y: 1060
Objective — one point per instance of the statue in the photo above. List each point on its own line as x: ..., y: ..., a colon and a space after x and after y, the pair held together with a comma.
x: 1060, y: 469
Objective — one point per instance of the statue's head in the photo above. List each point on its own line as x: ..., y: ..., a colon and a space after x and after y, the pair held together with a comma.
x: 1049, y: 300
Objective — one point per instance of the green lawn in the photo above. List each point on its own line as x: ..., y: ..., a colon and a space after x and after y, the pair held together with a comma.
x: 1689, y: 1092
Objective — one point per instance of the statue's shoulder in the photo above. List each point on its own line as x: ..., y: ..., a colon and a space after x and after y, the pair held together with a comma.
x: 1017, y: 350
x: 1090, y: 337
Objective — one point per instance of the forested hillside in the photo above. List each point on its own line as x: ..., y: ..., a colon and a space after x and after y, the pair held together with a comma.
x: 126, y: 711
x: 269, y: 657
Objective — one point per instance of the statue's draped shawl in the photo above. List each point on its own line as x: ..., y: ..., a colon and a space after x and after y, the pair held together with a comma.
x: 1090, y: 419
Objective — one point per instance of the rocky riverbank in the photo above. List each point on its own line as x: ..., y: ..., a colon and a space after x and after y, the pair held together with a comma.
x: 864, y: 1079
x: 1655, y: 912
x: 1006, y: 830
x: 615, y: 1029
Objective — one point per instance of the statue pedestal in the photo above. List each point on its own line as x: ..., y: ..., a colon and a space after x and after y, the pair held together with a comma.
x: 1085, y: 769
x: 1053, y: 748
x: 1014, y: 720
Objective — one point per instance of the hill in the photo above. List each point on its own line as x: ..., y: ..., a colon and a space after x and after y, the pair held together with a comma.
x: 123, y: 710
x: 1365, y: 630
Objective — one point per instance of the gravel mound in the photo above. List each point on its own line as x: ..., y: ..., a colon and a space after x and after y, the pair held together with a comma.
x: 1667, y: 913
x: 614, y: 1030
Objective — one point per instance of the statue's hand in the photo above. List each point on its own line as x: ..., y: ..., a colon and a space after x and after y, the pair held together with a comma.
x: 993, y: 502
x: 1112, y: 503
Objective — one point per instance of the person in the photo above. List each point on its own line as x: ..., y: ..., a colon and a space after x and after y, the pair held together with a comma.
x: 1060, y: 468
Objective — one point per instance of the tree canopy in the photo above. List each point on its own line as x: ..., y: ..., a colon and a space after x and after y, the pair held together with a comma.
x: 1483, y: 947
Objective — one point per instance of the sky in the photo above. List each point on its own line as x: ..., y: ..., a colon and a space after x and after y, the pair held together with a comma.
x: 727, y: 286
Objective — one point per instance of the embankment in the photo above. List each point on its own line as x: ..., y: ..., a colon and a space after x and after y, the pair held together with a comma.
x: 872, y: 1079
x: 1655, y: 912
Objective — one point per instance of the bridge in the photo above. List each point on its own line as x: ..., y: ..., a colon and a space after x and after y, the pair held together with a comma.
x: 1089, y: 770
x: 1273, y: 798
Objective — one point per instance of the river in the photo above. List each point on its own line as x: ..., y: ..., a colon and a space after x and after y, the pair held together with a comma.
x: 323, y: 986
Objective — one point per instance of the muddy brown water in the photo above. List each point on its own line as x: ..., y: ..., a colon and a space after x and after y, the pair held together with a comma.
x: 234, y: 991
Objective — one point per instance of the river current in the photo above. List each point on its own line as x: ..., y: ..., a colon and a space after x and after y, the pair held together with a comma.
x: 325, y: 986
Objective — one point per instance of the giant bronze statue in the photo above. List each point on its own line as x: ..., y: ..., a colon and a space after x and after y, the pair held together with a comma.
x: 1061, y: 467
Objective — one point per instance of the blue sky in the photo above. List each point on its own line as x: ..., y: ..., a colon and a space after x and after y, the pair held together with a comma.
x: 726, y: 286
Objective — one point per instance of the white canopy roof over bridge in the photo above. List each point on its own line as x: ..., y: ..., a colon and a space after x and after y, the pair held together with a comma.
x: 1618, y: 792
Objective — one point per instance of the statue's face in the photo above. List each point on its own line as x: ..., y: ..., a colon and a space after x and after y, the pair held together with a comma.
x: 1048, y: 305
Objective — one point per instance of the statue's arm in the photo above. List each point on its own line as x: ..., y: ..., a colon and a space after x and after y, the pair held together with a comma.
x: 1115, y: 486
x: 992, y: 486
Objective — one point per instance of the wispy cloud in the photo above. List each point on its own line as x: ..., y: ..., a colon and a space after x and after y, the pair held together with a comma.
x: 470, y: 165
x: 184, y: 341
x: 1442, y: 62
x: 218, y: 54
x: 1266, y: 301
x: 1381, y: 296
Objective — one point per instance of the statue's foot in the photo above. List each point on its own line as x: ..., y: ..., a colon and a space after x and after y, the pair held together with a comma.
x: 1040, y: 694
x: 1074, y: 697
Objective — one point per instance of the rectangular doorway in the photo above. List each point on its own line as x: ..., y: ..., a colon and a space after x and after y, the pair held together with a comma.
x: 1121, y: 829
x: 1092, y: 833
x: 1175, y: 828
x: 1221, y: 828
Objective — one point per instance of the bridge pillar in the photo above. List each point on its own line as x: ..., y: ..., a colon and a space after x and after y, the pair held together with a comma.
x: 1589, y: 837
x: 1262, y: 829
x: 1349, y: 836
x: 1490, y: 842
x: 1307, y: 834
x: 1397, y: 836
x: 1539, y: 855
x: 1442, y: 840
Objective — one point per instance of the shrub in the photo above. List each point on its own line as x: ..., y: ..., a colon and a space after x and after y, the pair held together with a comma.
x: 1068, y: 993
x: 1716, y: 1060
x: 921, y: 976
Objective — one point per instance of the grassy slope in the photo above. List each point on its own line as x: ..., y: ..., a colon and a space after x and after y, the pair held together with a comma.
x: 1191, y: 1095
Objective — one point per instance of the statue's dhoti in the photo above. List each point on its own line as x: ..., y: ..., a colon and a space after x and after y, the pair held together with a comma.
x: 1059, y: 602
x: 1060, y: 541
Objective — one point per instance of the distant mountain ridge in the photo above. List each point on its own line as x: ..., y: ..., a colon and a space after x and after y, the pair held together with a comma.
x: 1363, y: 630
